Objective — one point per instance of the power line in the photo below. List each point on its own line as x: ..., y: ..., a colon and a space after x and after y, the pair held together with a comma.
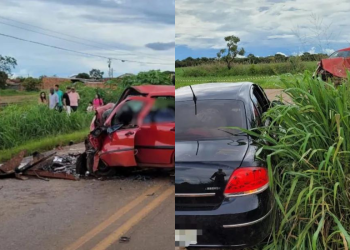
x: 70, y: 36
x: 51, y: 35
x: 82, y: 53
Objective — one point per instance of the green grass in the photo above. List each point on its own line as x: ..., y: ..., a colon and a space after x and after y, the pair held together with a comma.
x: 44, y: 144
x: 12, y: 92
x: 267, y: 82
x: 19, y: 124
x: 219, y: 69
x: 307, y: 150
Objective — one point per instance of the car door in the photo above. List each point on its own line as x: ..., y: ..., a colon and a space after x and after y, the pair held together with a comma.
x: 119, y: 145
x: 156, y: 139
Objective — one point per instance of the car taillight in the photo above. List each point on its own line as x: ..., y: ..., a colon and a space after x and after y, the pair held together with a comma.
x: 247, y: 180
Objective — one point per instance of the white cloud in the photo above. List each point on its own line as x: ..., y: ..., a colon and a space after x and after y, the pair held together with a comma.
x: 264, y: 23
x: 119, y: 32
x: 312, y: 50
x: 328, y: 51
x: 284, y: 36
x: 280, y: 53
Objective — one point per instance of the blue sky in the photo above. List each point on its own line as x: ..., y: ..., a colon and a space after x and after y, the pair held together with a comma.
x: 266, y: 27
x: 135, y: 30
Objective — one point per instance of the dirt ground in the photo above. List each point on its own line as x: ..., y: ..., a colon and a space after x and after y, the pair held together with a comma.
x: 275, y: 94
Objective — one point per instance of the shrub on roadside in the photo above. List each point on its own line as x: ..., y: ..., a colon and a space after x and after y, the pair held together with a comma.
x: 19, y: 124
x: 309, y: 165
x: 31, y: 84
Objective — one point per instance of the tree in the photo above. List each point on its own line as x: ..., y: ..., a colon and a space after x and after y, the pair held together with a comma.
x: 7, y: 64
x: 83, y: 75
x: 232, y: 50
x: 31, y: 84
x: 3, y: 78
x: 96, y: 74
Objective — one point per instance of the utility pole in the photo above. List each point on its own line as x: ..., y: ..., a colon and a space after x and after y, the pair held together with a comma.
x: 110, y: 70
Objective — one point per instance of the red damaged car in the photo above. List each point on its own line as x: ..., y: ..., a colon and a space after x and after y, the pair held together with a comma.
x: 335, y: 66
x: 137, y: 131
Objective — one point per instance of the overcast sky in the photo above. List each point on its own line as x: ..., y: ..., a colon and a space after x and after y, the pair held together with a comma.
x: 137, y: 30
x: 266, y: 27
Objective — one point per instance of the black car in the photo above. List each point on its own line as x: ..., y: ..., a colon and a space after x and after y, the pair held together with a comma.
x: 222, y: 199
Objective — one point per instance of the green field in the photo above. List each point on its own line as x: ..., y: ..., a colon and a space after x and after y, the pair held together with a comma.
x: 220, y: 69
x: 268, y: 76
x: 267, y: 82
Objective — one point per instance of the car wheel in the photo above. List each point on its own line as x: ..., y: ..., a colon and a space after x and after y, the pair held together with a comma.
x: 81, y: 167
x: 104, y: 170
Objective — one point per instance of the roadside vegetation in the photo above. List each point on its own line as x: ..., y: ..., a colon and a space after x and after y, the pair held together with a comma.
x: 219, y: 69
x: 44, y: 144
x: 309, y: 165
x: 20, y: 124
x: 267, y: 82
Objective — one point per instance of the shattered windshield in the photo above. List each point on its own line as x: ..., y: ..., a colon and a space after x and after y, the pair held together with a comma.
x: 212, y: 121
x: 128, y: 113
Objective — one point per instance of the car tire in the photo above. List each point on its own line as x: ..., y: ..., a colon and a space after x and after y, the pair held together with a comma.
x: 103, y: 170
x: 81, y: 167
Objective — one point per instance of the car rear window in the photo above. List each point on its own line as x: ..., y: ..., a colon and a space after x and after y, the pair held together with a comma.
x: 343, y: 54
x: 212, y: 121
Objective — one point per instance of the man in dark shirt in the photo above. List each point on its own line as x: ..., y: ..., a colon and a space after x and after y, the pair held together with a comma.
x: 66, y: 101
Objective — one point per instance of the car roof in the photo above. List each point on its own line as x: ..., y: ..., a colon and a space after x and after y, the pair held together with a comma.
x: 156, y: 90
x: 207, y: 91
x: 346, y: 49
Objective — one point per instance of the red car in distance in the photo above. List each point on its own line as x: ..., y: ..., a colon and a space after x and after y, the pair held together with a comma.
x: 334, y: 67
x: 137, y: 131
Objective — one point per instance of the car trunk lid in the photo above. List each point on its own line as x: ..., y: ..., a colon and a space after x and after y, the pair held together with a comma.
x: 203, y: 169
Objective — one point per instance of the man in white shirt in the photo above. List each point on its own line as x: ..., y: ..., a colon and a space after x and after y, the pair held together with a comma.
x: 53, y: 99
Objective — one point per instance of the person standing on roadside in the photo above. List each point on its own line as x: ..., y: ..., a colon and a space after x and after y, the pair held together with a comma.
x: 60, y: 96
x: 74, y: 99
x: 97, y: 102
x: 53, y: 99
x: 43, y: 99
x: 66, y: 101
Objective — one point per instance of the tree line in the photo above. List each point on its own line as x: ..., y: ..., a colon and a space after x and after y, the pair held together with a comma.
x: 232, y: 54
x: 250, y: 59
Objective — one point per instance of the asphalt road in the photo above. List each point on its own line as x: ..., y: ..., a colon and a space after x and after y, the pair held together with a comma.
x: 87, y: 214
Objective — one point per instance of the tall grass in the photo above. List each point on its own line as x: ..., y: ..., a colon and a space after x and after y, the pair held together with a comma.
x: 309, y: 165
x: 19, y: 124
x: 263, y: 69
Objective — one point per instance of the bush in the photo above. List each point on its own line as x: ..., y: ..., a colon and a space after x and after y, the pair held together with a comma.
x: 309, y: 165
x: 31, y: 84
x: 19, y: 124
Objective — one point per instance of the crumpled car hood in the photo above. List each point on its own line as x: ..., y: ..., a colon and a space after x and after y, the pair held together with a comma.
x: 336, y: 66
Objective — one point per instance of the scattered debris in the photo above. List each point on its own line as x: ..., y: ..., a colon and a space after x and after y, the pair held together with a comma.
x: 9, y: 167
x: 124, y: 239
x: 142, y: 178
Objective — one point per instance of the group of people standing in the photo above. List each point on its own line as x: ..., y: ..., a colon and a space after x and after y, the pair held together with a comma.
x: 68, y: 101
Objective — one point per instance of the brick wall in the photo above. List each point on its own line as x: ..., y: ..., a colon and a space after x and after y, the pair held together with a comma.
x: 50, y: 82
x: 96, y: 85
